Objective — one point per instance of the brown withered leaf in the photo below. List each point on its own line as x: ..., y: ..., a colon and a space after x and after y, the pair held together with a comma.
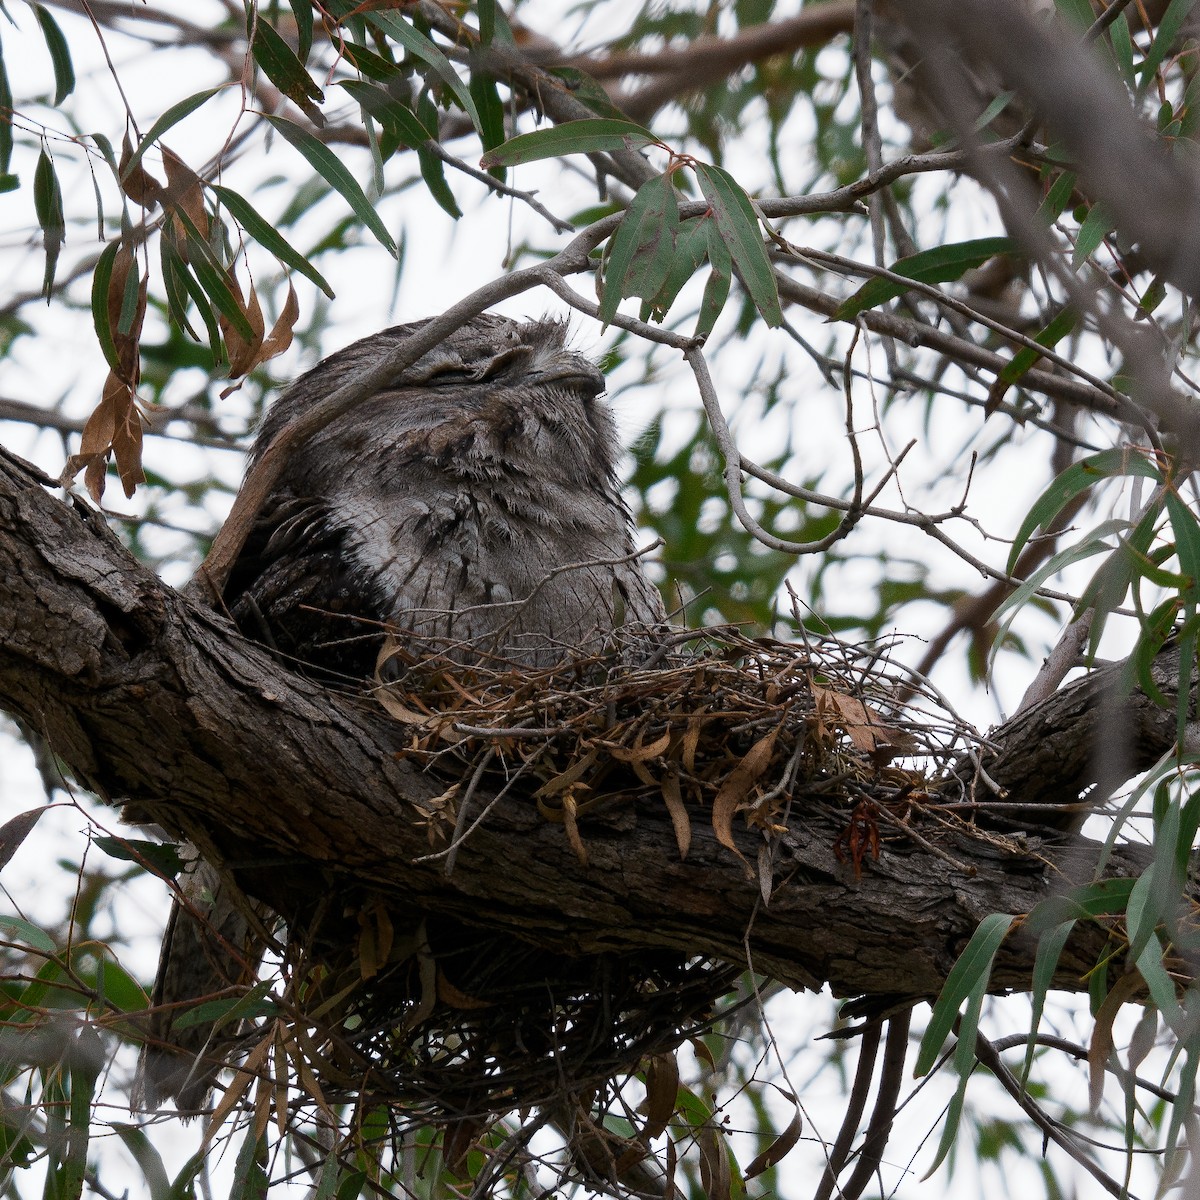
x: 243, y: 352
x: 96, y: 442
x: 127, y: 442
x: 677, y: 810
x: 447, y: 993
x: 570, y: 811
x: 99, y: 428
x: 641, y: 753
x: 280, y: 337
x: 184, y: 192
x: 662, y: 1092
x: 864, y: 726
x: 14, y: 832
x: 236, y: 1090
x: 139, y: 185
x: 737, y: 787
x: 716, y: 1179
x: 691, y: 740
x: 778, y: 1149
x: 124, y: 301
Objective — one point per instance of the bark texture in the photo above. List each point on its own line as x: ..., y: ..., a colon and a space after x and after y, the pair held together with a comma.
x: 155, y: 702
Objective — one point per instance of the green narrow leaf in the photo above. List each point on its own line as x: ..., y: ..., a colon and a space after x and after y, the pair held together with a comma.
x: 640, y: 254
x: 486, y: 10
x: 27, y: 934
x: 330, y: 168
x: 1164, y: 39
x: 175, y: 270
x: 6, y: 125
x: 434, y: 174
x: 1057, y: 198
x: 491, y: 114
x: 1097, y: 225
x: 418, y: 45
x: 60, y: 55
x: 395, y: 117
x: 101, y: 278
x: 302, y: 10
x: 964, y: 1064
x: 1049, y: 951
x: 1121, y: 45
x: 171, y: 117
x: 1078, y: 12
x: 250, y: 1181
x: 148, y: 1159
x: 1075, y: 479
x: 737, y: 223
x: 1187, y: 538
x: 993, y: 110
x: 590, y: 135
x: 47, y: 203
x: 1025, y: 358
x: 943, y: 264
x: 1153, y: 296
x: 281, y: 66
x: 973, y: 969
x: 267, y: 236
x: 210, y: 273
x: 716, y: 288
x: 716, y: 292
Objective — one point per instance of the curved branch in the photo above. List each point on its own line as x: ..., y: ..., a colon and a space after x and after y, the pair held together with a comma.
x: 151, y: 699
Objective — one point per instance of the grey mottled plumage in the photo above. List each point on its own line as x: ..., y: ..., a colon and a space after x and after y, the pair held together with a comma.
x: 472, y: 507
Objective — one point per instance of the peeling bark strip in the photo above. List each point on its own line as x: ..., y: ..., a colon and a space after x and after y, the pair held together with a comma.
x: 158, y: 703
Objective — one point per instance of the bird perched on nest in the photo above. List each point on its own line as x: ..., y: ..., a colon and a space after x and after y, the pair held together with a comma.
x: 471, y: 507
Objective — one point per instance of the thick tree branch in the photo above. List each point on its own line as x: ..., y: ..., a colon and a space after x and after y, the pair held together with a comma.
x: 153, y: 700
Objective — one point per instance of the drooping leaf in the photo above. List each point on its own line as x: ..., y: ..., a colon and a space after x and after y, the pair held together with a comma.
x: 281, y: 66
x: 491, y: 114
x: 395, y: 117
x: 974, y: 966
x: 590, y: 135
x: 643, y: 246
x: 302, y: 11
x: 171, y: 117
x: 1164, y: 38
x: 6, y: 126
x: 1075, y: 480
x: 1097, y: 225
x: 268, y: 237
x: 212, y: 277
x: 60, y: 54
x: 15, y: 830
x: 48, y: 204
x: 434, y: 175
x: 419, y: 46
x: 737, y: 223
x: 148, y: 1159
x: 943, y: 264
x: 330, y: 168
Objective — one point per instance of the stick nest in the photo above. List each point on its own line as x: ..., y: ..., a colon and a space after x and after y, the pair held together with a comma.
x: 426, y: 1013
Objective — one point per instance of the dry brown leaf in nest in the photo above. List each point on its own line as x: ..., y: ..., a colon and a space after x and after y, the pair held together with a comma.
x: 680, y: 822
x: 640, y: 752
x: 864, y: 726
x: 737, y: 786
x: 375, y: 938
x: 571, y: 826
x: 447, y: 993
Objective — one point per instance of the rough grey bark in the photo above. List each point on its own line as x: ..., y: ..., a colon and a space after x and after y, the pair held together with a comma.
x: 153, y: 701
